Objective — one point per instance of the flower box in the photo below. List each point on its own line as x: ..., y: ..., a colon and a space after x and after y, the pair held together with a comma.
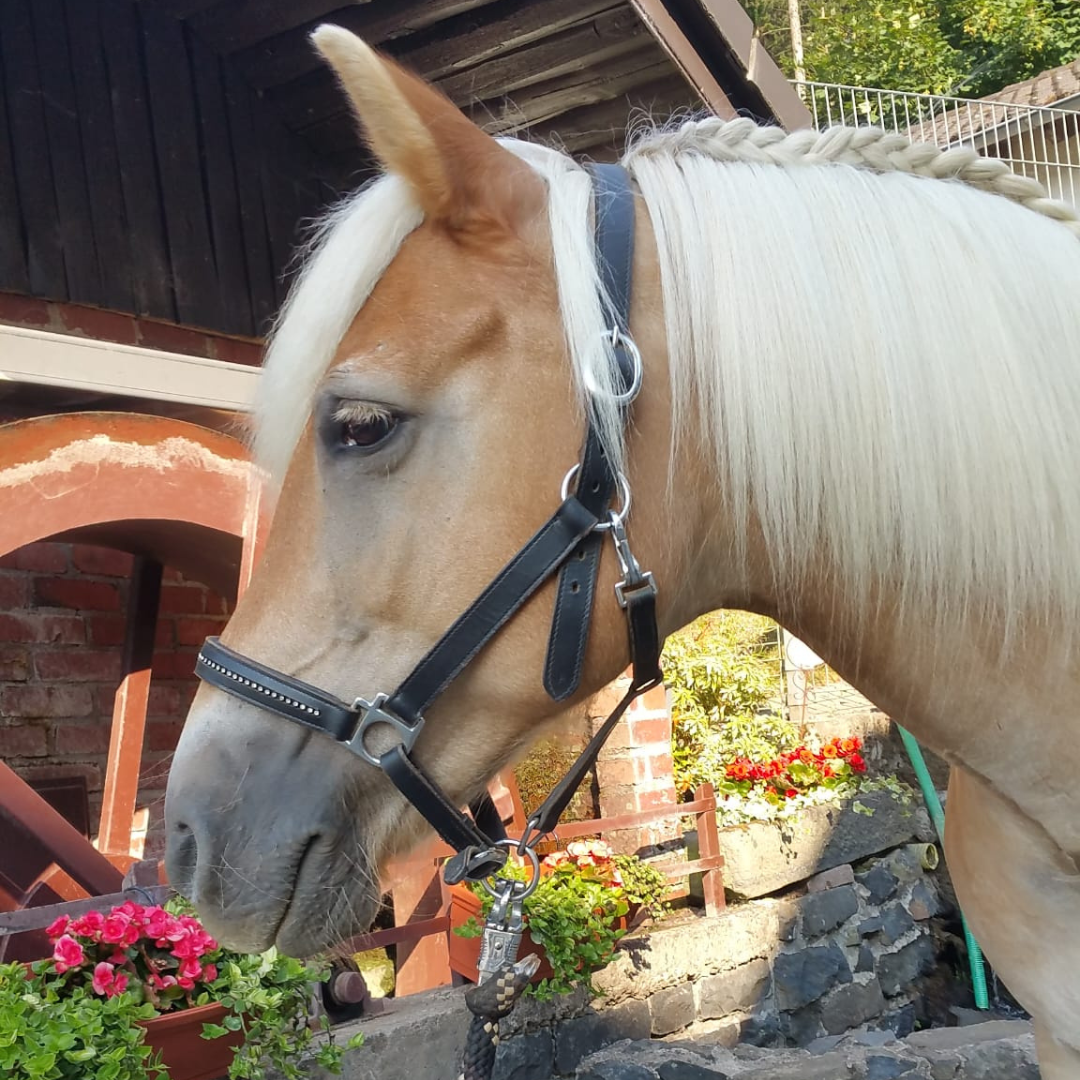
x: 465, y: 952
x: 177, y: 1036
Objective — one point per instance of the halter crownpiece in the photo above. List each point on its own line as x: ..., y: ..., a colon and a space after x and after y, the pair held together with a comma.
x: 569, y: 543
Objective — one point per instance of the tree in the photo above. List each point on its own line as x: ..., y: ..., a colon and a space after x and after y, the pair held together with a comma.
x: 964, y: 47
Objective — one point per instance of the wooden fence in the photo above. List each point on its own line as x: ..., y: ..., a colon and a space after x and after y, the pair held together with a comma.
x: 421, y: 935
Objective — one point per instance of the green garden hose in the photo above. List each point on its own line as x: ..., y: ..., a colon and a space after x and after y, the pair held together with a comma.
x: 937, y: 815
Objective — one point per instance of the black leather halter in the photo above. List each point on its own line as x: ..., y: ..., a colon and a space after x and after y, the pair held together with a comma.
x: 568, y: 543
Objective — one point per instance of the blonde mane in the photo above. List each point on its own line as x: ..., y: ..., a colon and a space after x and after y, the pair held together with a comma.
x: 883, y: 350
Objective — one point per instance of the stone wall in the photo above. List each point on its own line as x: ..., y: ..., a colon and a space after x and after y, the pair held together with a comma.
x: 845, y: 951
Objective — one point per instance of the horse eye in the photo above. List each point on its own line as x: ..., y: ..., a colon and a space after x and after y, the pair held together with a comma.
x: 368, y: 431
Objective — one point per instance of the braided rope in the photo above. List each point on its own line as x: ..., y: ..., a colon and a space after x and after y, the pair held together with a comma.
x: 863, y: 147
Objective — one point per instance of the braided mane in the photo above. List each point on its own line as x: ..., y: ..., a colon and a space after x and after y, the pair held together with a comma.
x: 863, y: 147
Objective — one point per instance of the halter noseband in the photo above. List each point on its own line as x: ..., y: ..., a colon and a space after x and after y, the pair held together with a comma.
x: 569, y: 543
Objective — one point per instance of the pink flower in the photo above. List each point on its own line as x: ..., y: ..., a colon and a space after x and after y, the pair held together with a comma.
x: 162, y: 982
x: 56, y: 928
x: 190, y: 968
x: 120, y: 929
x: 156, y: 922
x: 88, y: 925
x: 209, y: 973
x: 120, y: 984
x: 103, y: 978
x: 67, y: 953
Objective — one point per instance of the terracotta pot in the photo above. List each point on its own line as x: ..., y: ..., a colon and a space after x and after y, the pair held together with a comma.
x: 188, y: 1056
x: 465, y: 952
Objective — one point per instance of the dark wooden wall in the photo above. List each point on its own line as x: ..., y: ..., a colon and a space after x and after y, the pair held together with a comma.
x: 139, y: 172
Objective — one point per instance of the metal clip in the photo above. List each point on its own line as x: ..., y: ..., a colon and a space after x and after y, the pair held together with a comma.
x: 502, y: 932
x: 634, y: 579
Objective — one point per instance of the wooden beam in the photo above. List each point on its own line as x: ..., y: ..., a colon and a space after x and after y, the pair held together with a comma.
x: 121, y: 789
x: 48, y: 359
x: 737, y: 29
x: 288, y: 56
x: 592, y: 86
x: 695, y: 69
x: 520, y: 26
x: 70, y: 850
x: 605, y: 124
x: 579, y: 48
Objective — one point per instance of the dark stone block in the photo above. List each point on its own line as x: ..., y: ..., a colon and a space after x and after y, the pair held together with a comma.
x: 901, y: 1021
x: 895, y: 923
x: 802, y: 977
x: 871, y: 925
x: 802, y: 1027
x: 616, y: 1070
x: 685, y: 1070
x: 525, y: 1057
x: 880, y: 1067
x: 825, y: 911
x: 672, y: 1009
x: 896, y: 971
x: 881, y: 883
x: 583, y: 1035
x: 761, y: 1030
x: 851, y: 1006
x: 924, y: 902
x: 866, y: 959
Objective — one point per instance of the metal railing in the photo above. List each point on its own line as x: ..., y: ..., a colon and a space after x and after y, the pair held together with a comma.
x: 1038, y: 141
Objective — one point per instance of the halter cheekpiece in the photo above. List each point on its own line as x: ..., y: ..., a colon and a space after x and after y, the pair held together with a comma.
x: 570, y: 543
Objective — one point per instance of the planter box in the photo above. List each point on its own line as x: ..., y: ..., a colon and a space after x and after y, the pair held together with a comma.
x: 188, y: 1056
x: 763, y: 856
x: 465, y: 952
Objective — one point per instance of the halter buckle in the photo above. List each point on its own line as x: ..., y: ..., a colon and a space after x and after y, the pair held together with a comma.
x: 373, y: 714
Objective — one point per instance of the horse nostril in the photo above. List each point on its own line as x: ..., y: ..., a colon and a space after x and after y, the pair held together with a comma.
x: 181, y: 857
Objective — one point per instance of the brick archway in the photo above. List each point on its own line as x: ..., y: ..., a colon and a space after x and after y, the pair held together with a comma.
x: 151, y: 485
x: 167, y: 491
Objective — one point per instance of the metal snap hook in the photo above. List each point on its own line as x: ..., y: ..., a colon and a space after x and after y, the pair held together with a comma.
x: 617, y: 516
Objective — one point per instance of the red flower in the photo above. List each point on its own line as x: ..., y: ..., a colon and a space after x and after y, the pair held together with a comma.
x: 790, y: 793
x: 857, y: 763
x: 120, y: 929
x: 67, y: 953
x: 827, y: 771
x: 806, y: 757
x: 849, y: 746
x: 57, y: 927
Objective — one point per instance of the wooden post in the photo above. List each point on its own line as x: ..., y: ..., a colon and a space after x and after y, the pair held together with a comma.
x: 67, y: 846
x: 423, y: 964
x: 129, y: 710
x: 712, y: 881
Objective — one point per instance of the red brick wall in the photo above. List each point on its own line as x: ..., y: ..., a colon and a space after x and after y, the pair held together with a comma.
x: 61, y: 631
x: 635, y: 771
x: 124, y: 329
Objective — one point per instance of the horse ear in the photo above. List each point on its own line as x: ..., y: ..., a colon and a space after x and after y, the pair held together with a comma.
x: 461, y: 176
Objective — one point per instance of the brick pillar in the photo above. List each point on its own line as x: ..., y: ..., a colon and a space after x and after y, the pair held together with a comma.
x: 635, y: 770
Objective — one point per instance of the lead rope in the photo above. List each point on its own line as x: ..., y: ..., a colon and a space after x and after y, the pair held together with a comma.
x: 490, y: 1002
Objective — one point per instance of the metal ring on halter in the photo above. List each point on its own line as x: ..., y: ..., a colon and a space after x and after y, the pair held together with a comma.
x: 520, y: 889
x: 617, y: 516
x: 637, y: 370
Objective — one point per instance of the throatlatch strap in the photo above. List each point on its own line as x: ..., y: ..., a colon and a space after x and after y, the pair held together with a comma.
x: 613, y: 199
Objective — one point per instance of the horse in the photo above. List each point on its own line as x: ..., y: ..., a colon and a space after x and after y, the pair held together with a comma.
x: 859, y: 415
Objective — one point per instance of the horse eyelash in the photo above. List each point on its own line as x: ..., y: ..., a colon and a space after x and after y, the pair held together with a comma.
x: 361, y: 412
